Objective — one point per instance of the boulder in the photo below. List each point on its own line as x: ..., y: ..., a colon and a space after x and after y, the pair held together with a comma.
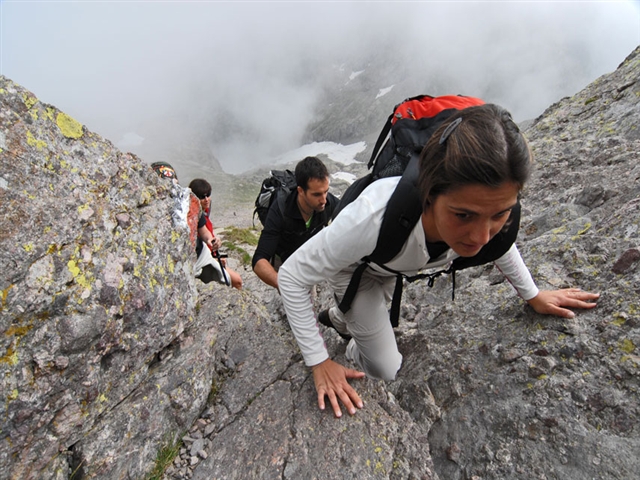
x: 101, y: 354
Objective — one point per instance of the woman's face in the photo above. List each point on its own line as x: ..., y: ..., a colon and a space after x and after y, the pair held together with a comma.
x: 468, y: 217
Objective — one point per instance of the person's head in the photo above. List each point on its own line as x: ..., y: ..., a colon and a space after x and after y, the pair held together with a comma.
x: 202, y: 189
x: 312, y: 178
x: 471, y: 173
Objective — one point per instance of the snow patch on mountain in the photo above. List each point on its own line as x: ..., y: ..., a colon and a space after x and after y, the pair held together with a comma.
x: 346, y: 176
x: 383, y: 91
x: 344, y: 154
x: 354, y: 75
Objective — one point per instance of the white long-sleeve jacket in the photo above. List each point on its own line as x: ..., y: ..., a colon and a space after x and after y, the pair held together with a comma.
x: 335, y: 252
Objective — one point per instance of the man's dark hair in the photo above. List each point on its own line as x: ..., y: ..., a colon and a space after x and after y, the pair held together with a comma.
x: 309, y: 168
x: 200, y: 187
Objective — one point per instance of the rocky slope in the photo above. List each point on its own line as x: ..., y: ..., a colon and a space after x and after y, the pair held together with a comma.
x: 489, y: 388
x: 105, y: 357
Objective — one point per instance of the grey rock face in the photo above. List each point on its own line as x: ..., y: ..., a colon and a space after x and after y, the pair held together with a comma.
x: 97, y: 350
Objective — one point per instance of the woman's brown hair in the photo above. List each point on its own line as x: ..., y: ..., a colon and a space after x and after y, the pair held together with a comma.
x: 477, y: 145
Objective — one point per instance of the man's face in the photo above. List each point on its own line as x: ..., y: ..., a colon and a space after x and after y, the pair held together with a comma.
x: 468, y: 217
x: 315, y: 197
x: 205, y: 202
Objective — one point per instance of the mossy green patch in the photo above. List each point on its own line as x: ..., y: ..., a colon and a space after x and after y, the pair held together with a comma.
x: 167, y: 453
x: 69, y: 127
x: 245, y: 258
x: 248, y: 236
x: 72, y: 265
x: 83, y: 208
x: 3, y: 296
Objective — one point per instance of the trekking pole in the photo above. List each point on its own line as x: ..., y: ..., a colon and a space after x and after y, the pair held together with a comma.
x: 220, y: 256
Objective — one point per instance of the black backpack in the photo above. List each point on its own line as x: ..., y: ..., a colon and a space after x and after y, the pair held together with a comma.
x: 277, y: 186
x: 410, y: 126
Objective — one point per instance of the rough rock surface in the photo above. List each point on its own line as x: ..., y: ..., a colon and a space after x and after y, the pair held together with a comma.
x: 98, y: 356
x: 488, y: 390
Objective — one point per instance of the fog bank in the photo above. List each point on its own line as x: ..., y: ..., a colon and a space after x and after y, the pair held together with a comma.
x: 244, y: 78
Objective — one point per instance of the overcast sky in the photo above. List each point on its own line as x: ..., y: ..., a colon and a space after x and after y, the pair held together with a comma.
x: 120, y: 66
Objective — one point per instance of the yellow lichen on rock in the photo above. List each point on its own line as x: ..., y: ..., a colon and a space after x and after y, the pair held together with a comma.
x: 34, y: 142
x: 69, y: 127
x: 73, y: 268
x: 29, y: 100
x: 627, y: 345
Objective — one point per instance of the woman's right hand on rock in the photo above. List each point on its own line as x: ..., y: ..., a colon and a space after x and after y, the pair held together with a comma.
x: 331, y: 380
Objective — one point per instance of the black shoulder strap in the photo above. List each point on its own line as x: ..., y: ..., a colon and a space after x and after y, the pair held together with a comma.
x: 281, y: 198
x: 381, y: 138
x: 400, y: 217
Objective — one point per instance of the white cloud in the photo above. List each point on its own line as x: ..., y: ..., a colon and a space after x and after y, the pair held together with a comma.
x: 130, y: 139
x: 246, y: 76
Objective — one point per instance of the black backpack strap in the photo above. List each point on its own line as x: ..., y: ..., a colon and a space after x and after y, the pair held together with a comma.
x: 352, y: 289
x: 381, y: 138
x: 400, y: 217
x: 394, y: 313
x: 281, y: 198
